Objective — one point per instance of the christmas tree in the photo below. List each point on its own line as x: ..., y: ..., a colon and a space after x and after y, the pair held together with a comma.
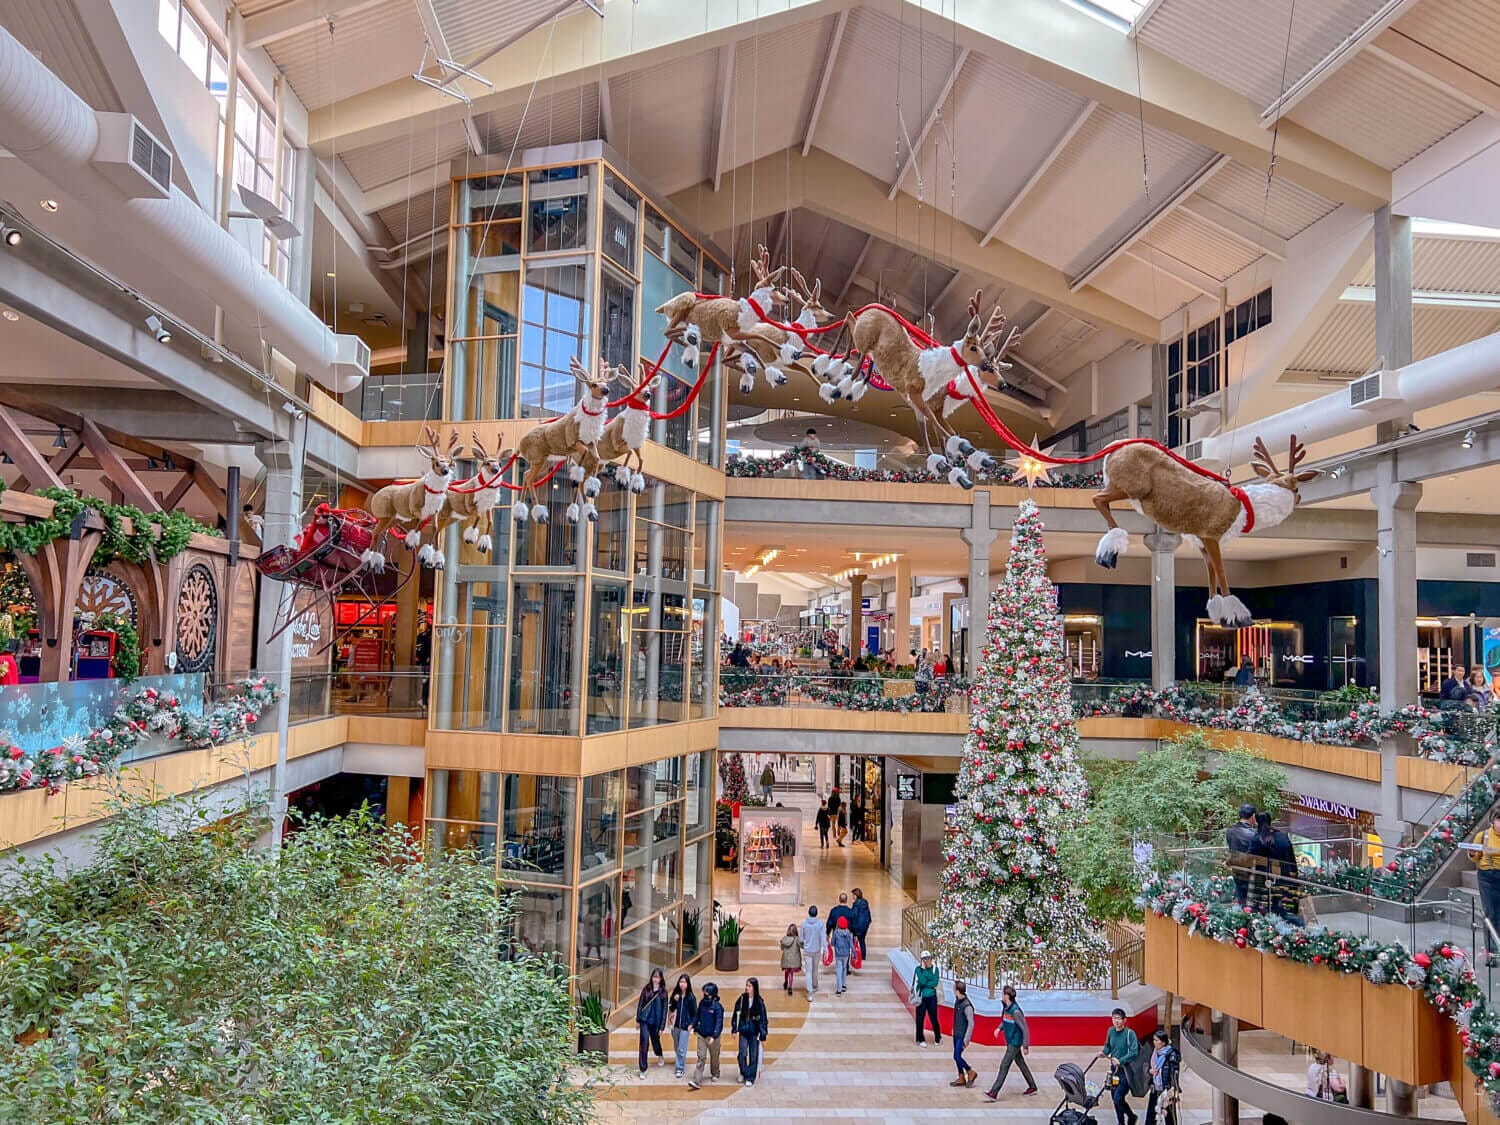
x: 1019, y: 789
x: 732, y: 786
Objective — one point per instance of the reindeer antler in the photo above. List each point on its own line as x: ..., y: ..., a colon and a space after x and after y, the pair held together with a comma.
x: 478, y: 445
x: 1296, y: 455
x: 429, y: 443
x: 760, y: 266
x: 1262, y: 461
x: 579, y: 371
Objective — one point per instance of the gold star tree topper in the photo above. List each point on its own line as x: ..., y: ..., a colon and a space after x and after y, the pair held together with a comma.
x: 1031, y: 468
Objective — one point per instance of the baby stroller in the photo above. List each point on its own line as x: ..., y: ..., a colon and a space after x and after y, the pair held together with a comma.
x: 1075, y: 1092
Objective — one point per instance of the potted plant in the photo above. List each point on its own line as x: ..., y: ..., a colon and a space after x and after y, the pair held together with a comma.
x: 593, y: 1036
x: 692, y: 918
x: 727, y: 955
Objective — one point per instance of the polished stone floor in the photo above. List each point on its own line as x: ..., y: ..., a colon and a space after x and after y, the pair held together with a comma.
x: 854, y: 1056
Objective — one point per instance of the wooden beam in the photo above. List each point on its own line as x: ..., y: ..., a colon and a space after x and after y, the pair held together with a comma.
x: 726, y: 99
x: 67, y: 457
x: 933, y: 115
x: 170, y: 501
x: 32, y: 465
x: 116, y: 470
x: 1040, y: 170
x: 830, y: 56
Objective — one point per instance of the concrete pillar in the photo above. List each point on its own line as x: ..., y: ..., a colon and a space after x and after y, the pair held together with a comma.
x: 856, y: 614
x: 980, y: 537
x: 1361, y: 1086
x: 1396, y: 545
x: 1393, y: 308
x: 1226, y: 1046
x: 1163, y: 607
x: 283, y: 461
x: 901, y: 640
x: 1401, y: 1098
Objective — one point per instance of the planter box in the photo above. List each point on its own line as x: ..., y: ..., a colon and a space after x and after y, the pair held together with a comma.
x: 1161, y: 952
x: 727, y: 958
x: 595, y: 1044
x: 1312, y: 1004
x: 1405, y: 1036
x: 1221, y: 976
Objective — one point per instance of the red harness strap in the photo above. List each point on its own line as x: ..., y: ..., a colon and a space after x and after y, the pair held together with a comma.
x: 1239, y: 494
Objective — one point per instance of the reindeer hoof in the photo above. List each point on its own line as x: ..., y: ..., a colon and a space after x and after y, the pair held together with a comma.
x: 1234, y: 613
x: 471, y: 535
x: 438, y: 560
x: 591, y: 513
x: 821, y: 364
x: 857, y: 392
x: 956, y: 475
x: 937, y: 464
x: 691, y: 335
x: 1112, y: 544
x: 519, y: 511
x: 592, y: 486
x: 638, y: 483
x: 539, y: 513
x: 747, y: 383
x: 573, y: 512
x: 374, y: 560
x: 776, y: 376
x: 690, y: 357
x: 958, y: 447
x: 791, y: 352
x: 426, y: 554
x: 575, y: 473
x: 846, y: 387
x: 484, y: 544
x: 828, y: 392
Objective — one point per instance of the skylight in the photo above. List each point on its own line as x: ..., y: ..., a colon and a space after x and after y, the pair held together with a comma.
x: 1441, y: 228
x: 1119, y: 14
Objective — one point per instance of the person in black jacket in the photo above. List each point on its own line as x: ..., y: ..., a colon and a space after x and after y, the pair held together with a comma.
x: 750, y: 1023
x: 835, y: 806
x: 682, y: 1014
x: 860, y: 923
x: 1240, y: 839
x: 1165, y: 1060
x: 651, y: 1017
x: 1281, y: 867
x: 710, y: 1028
x: 823, y: 823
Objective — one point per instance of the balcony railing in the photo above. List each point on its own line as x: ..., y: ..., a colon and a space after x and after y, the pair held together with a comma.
x: 842, y: 691
x: 413, y: 397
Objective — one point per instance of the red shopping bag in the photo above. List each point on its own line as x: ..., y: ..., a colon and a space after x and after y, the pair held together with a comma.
x: 855, y: 959
x: 828, y: 954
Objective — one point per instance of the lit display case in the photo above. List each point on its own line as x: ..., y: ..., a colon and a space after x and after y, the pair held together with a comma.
x: 770, y: 857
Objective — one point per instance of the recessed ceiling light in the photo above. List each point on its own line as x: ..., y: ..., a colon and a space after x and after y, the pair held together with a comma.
x: 49, y: 205
x: 330, y: 274
x: 11, y: 316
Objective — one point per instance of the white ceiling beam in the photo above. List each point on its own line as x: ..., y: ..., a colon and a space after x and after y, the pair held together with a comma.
x: 830, y: 56
x: 1247, y: 231
x: 418, y: 181
x: 1193, y: 278
x: 1034, y: 369
x: 526, y: 29
x: 298, y: 15
x: 1437, y: 71
x: 1040, y: 170
x: 1142, y: 18
x: 1325, y: 68
x: 1429, y: 298
x: 721, y: 145
x: 439, y: 44
x: 864, y: 252
x: 933, y: 115
x: 1146, y: 225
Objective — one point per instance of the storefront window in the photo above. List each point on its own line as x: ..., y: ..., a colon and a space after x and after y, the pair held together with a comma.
x: 598, y: 937
x: 542, y: 925
x: 621, y: 209
x: 554, y: 330
x: 544, y: 658
x: 1343, y: 651
x: 605, y: 676
x: 539, y: 828
x: 558, y: 209
x: 602, y: 796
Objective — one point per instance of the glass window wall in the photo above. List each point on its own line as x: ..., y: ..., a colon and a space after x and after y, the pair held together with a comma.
x: 543, y: 658
x: 558, y: 209
x: 542, y: 925
x: 600, y: 850
x: 554, y: 329
x: 606, y: 670
x: 598, y: 937
x: 539, y: 828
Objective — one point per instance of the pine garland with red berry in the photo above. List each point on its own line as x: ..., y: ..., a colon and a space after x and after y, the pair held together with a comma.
x: 1019, y: 788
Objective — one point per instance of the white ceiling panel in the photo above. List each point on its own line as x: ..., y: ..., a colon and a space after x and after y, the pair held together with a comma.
x: 1289, y: 210
x: 1258, y: 48
x: 474, y: 27
x: 775, y: 81
x: 383, y: 44
x: 438, y: 140
x: 1380, y: 112
x: 1205, y: 247
x: 1456, y: 265
x: 883, y: 64
x: 1466, y: 31
x: 1345, y: 342
x: 1136, y: 283
x: 1094, y: 193
x: 663, y: 119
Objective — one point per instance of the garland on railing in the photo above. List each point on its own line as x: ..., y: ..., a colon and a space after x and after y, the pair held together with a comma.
x: 1435, y: 732
x: 841, y: 693
x: 1442, y: 972
x: 148, y: 714
x: 176, y: 529
x: 739, y: 465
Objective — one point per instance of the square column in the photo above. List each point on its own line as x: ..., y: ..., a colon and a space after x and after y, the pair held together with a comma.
x: 856, y: 614
x: 1393, y: 308
x: 980, y: 537
x: 1396, y: 544
x: 901, y: 643
x: 1163, y: 607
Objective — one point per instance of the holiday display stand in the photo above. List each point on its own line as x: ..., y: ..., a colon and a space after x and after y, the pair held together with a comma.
x: 1019, y: 788
x: 770, y: 866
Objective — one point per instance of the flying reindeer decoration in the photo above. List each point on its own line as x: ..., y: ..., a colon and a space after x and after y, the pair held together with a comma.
x: 625, y: 434
x: 695, y: 320
x: 1202, y: 509
x: 993, y: 344
x: 924, y: 376
x: 420, y: 501
x: 473, y: 502
x: 772, y: 349
x: 569, y: 437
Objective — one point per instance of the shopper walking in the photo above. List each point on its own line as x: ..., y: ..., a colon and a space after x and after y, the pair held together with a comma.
x: 1487, y: 858
x: 768, y: 783
x: 710, y: 1028
x: 750, y: 1024
x: 823, y: 822
x: 1165, y: 1060
x: 924, y: 994
x: 791, y: 956
x: 1121, y: 1048
x: 963, y: 1033
x: 835, y: 811
x: 1240, y: 839
x: 682, y: 1014
x: 840, y: 913
x: 814, y: 942
x: 651, y: 1017
x: 843, y: 950
x: 860, y: 922
x: 1017, y: 1044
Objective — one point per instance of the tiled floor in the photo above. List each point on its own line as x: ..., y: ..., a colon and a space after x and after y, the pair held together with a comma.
x: 854, y: 1056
